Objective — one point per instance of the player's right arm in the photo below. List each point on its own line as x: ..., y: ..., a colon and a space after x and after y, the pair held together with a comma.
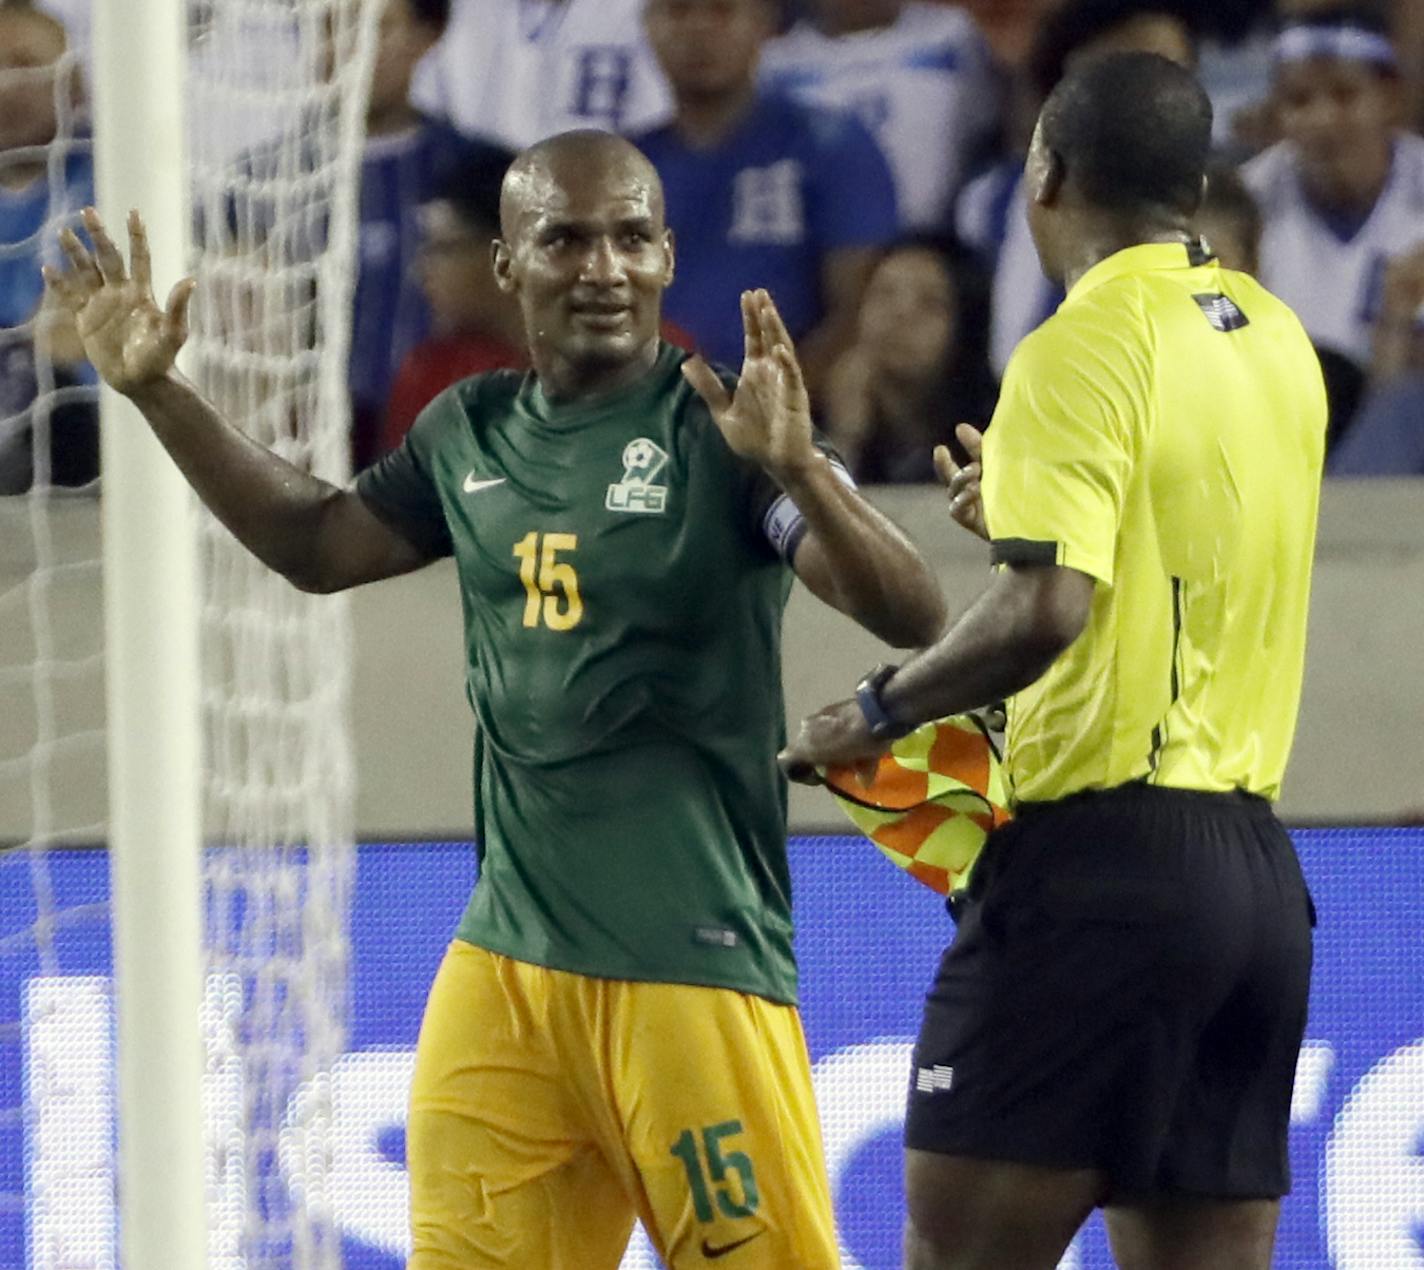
x: 318, y: 536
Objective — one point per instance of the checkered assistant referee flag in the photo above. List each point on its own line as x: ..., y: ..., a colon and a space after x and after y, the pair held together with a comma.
x: 936, y: 796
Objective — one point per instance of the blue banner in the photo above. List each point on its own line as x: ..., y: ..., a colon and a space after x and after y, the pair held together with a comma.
x: 869, y: 940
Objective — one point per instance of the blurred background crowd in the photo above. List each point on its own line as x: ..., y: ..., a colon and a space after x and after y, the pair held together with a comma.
x: 861, y: 159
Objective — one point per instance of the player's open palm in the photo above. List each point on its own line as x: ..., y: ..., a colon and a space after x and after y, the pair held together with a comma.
x: 767, y: 419
x: 128, y: 338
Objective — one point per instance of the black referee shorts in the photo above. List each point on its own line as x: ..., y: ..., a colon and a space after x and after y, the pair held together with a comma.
x: 1126, y: 992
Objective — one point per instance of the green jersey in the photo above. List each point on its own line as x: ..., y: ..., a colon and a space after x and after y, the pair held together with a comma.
x: 622, y: 602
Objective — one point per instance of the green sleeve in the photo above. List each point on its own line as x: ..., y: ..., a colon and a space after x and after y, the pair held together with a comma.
x: 401, y: 488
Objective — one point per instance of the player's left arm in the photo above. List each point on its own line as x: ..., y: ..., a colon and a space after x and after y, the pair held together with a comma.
x: 848, y: 554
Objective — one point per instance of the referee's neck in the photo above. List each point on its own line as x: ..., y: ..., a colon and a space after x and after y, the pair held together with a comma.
x: 1104, y: 239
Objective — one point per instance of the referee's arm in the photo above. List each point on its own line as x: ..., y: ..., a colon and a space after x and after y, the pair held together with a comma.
x: 1009, y: 637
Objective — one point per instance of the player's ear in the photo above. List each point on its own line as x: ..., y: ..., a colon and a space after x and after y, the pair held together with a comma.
x: 502, y: 261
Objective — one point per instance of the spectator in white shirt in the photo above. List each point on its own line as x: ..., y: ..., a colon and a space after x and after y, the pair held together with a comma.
x: 919, y: 76
x: 517, y: 71
x: 1343, y: 194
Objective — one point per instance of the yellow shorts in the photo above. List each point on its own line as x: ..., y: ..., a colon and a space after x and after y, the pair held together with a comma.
x: 548, y: 1109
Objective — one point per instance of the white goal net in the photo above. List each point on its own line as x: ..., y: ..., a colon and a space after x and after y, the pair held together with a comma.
x: 275, y: 103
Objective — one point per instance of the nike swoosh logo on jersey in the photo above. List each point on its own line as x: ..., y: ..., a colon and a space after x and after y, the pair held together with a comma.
x: 473, y: 484
x: 712, y: 1252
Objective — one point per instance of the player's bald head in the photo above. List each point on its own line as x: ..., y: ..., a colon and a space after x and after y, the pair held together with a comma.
x: 574, y: 167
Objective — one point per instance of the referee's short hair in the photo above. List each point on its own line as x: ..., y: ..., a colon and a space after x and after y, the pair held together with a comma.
x: 1133, y: 131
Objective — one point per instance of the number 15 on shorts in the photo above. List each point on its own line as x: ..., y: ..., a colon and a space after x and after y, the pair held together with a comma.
x: 730, y: 1171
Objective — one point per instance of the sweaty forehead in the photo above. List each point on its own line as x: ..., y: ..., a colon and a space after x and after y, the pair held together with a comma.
x: 608, y: 194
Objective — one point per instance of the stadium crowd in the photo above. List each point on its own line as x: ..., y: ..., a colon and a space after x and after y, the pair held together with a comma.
x: 861, y: 159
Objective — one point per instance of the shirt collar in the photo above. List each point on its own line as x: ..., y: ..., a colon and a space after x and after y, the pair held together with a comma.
x: 1144, y: 258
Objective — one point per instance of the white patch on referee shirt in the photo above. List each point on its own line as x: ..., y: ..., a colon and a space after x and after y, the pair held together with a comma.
x: 639, y: 490
x: 934, y: 1080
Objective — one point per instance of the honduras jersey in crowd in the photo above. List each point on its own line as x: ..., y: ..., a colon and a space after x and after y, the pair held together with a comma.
x: 763, y: 208
x: 924, y: 86
x: 1332, y: 273
x: 992, y: 219
x: 389, y: 315
x: 518, y: 71
x: 30, y: 220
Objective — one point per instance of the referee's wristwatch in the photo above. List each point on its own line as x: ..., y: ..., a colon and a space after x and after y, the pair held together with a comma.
x: 882, y: 724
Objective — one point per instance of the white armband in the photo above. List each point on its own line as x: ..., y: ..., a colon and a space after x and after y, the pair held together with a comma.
x: 785, y: 526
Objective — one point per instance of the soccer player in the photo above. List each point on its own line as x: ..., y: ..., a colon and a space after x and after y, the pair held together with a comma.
x: 1118, y: 1019
x: 613, y: 1031
x: 1343, y: 194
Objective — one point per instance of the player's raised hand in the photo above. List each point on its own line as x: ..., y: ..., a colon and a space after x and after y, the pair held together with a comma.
x: 128, y: 338
x: 965, y: 503
x: 768, y: 418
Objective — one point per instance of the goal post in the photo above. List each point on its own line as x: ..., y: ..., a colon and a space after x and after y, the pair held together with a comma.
x: 236, y: 128
x: 153, y: 684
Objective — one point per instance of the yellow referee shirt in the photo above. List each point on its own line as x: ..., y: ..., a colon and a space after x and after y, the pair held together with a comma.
x: 1164, y: 433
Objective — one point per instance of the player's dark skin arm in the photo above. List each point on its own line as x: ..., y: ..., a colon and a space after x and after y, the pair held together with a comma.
x: 321, y: 538
x: 858, y: 561
x: 1008, y: 638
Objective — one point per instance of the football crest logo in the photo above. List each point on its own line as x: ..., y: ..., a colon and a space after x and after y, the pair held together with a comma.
x: 638, y: 491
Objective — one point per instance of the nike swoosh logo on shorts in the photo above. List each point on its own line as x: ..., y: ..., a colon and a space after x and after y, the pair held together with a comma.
x: 712, y: 1252
x: 473, y: 485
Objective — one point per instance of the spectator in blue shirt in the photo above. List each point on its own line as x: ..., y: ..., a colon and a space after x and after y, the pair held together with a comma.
x: 40, y: 190
x: 48, y: 409
x: 761, y: 191
x: 406, y: 156
x: 405, y: 160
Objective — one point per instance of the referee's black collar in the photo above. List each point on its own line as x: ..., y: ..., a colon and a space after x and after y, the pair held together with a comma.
x: 1199, y: 252
x: 1144, y: 258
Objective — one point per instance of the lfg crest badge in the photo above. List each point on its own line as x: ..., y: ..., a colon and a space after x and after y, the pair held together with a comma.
x: 639, y: 490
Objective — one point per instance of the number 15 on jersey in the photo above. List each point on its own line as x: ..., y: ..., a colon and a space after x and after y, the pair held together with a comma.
x: 551, y: 588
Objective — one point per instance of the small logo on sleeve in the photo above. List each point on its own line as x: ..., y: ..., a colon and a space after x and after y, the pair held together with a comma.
x: 639, y: 490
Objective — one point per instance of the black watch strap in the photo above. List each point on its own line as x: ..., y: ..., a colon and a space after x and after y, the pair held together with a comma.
x: 883, y: 726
